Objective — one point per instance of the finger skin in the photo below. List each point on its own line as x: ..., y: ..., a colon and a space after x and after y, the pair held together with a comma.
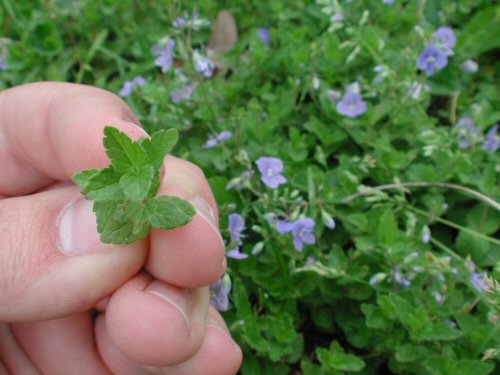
x: 217, y: 355
x: 155, y: 323
x: 61, y: 346
x: 40, y: 282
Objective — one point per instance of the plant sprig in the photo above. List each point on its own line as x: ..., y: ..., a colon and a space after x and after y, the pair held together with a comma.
x: 124, y: 193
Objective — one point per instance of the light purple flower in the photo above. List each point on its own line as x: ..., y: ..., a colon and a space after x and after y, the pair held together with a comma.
x: 337, y: 18
x: 164, y: 55
x: 219, y: 293
x: 469, y: 66
x: 236, y: 228
x: 303, y: 232
x: 128, y: 86
x: 283, y: 226
x: 178, y: 22
x: 264, y: 35
x: 351, y: 105
x: 316, y: 83
x: 467, y: 132
x: 183, y: 93
x: 479, y: 281
x: 127, y: 89
x: 3, y: 65
x: 271, y: 169
x: 432, y: 59
x: 492, y: 140
x: 203, y: 65
x: 388, y: 2
x: 445, y: 39
x: 214, y: 141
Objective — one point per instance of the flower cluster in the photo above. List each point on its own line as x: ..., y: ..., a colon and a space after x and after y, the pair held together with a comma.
x: 435, y: 55
x: 302, y: 230
x: 469, y: 134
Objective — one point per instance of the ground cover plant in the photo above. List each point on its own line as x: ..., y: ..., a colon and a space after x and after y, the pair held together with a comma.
x: 352, y: 147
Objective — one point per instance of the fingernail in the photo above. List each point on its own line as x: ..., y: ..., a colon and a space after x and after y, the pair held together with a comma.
x: 78, y: 229
x: 220, y: 326
x: 179, y: 299
x: 141, y: 131
x: 206, y: 212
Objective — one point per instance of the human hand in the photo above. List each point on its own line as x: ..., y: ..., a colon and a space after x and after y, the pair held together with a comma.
x: 70, y: 304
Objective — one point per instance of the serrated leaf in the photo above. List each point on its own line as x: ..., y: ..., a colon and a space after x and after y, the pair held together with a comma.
x: 169, y: 212
x: 121, y: 221
x: 160, y: 144
x: 104, y: 185
x: 123, y: 152
x: 136, y: 183
x: 83, y: 178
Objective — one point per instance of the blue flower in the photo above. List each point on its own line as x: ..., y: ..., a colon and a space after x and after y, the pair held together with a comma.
x: 271, y: 169
x: 479, y: 281
x: 264, y: 35
x: 183, y: 93
x: 445, y: 39
x: 219, y: 293
x: 214, y: 141
x: 236, y: 228
x: 164, y: 55
x: 128, y: 86
x: 203, y: 65
x: 492, y: 140
x: 432, y: 59
x: 351, y: 105
x: 467, y: 132
x: 302, y: 230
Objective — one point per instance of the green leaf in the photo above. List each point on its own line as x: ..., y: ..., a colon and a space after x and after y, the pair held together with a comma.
x: 82, y: 179
x: 387, y: 229
x: 123, y: 152
x: 104, y: 185
x: 169, y: 212
x: 160, y: 145
x: 336, y: 360
x: 121, y: 221
x: 136, y: 183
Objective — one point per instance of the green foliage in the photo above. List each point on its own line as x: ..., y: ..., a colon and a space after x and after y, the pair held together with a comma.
x: 124, y: 193
x: 374, y: 295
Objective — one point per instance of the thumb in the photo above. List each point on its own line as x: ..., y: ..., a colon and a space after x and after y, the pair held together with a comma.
x: 51, y: 260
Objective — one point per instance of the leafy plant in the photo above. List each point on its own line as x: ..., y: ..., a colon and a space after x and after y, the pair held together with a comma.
x: 124, y: 193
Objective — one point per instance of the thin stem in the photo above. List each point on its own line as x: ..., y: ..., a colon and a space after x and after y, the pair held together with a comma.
x: 456, y: 226
x: 476, y: 194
